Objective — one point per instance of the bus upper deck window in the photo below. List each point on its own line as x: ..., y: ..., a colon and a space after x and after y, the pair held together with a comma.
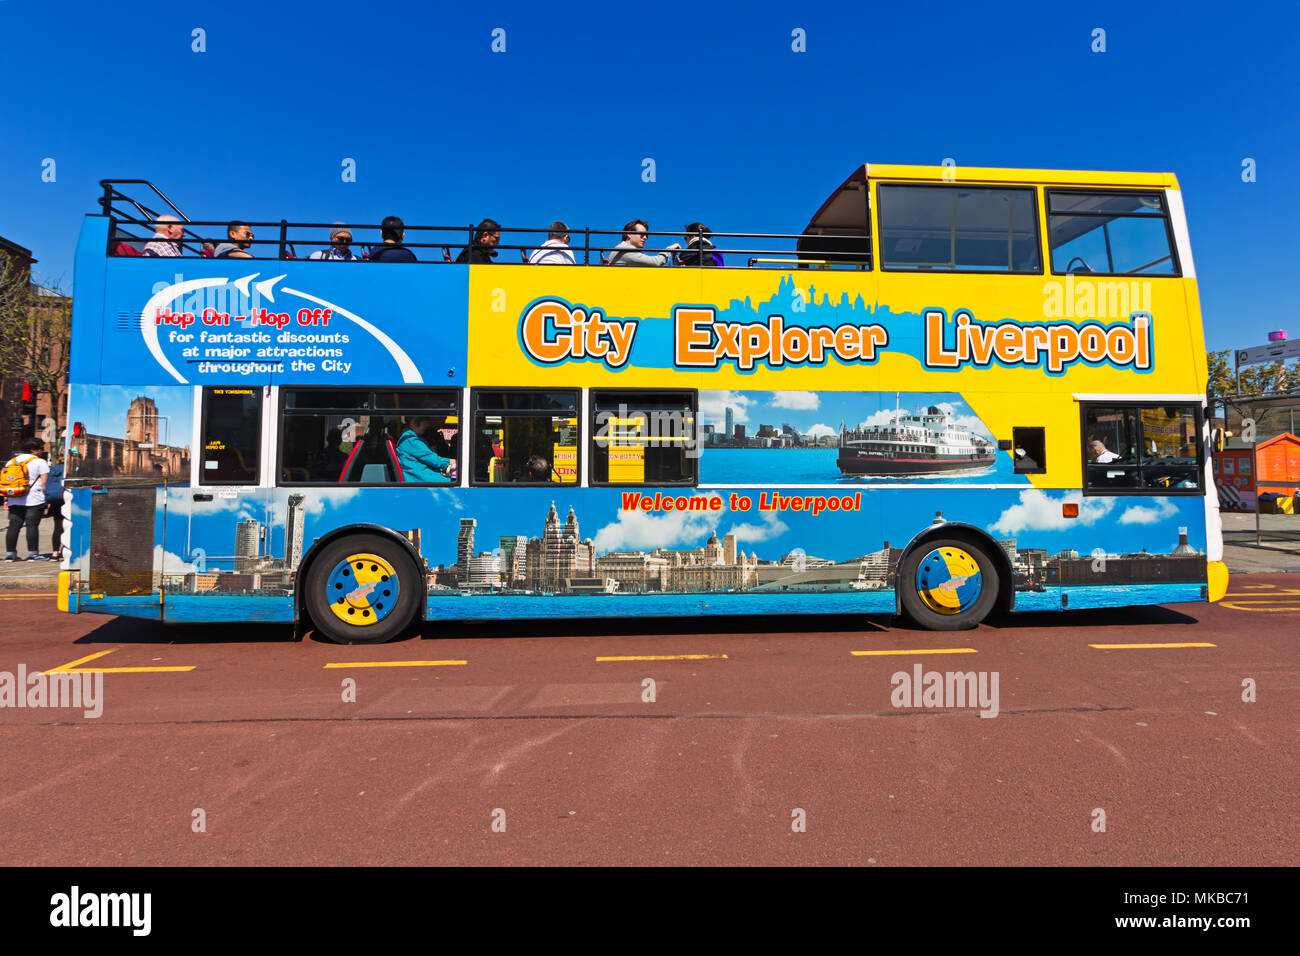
x: 524, y: 436
x: 643, y: 438
x: 232, y: 436
x: 1110, y: 233
x: 958, y: 228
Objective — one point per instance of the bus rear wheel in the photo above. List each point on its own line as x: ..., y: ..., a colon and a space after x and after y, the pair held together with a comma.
x: 948, y: 584
x: 362, y: 589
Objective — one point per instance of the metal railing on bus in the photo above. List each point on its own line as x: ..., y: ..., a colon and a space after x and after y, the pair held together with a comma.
x: 699, y: 248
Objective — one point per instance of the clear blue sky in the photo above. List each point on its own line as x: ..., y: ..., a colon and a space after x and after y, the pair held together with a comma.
x: 746, y: 134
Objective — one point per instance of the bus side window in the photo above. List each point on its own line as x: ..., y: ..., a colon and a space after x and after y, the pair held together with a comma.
x: 1029, y: 446
x: 525, y: 436
x: 232, y: 436
x: 1151, y: 447
x: 643, y: 437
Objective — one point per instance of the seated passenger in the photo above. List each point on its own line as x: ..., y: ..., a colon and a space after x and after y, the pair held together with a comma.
x: 555, y: 250
x: 239, y: 236
x: 628, y: 252
x: 484, y: 248
x: 333, y: 458
x: 340, y: 248
x: 1098, y: 453
x: 537, y: 468
x: 165, y: 235
x: 699, y: 250
x: 420, y: 464
x: 393, y: 231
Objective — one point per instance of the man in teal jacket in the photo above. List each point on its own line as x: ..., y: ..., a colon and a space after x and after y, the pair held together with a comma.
x: 420, y: 463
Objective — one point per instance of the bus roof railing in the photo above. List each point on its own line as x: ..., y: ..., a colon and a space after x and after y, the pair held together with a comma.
x: 133, y: 223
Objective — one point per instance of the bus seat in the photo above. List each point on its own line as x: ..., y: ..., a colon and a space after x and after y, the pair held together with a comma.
x: 446, y: 254
x: 392, y: 457
x: 375, y: 472
x: 347, y: 465
x: 126, y: 249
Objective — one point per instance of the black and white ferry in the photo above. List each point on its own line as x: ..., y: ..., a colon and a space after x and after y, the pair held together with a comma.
x: 913, y: 445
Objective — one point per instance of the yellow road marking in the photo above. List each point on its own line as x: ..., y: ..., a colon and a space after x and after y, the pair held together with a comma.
x: 32, y: 596
x: 665, y: 657
x: 74, y: 668
x: 921, y: 650
x: 1126, y: 647
x: 397, y: 664
x: 1281, y: 592
x: 1267, y: 610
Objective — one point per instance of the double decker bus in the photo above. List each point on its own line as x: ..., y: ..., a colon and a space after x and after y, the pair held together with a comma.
x: 953, y: 392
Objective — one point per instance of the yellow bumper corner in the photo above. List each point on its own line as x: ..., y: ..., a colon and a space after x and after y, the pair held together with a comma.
x: 1216, y: 576
x: 65, y: 582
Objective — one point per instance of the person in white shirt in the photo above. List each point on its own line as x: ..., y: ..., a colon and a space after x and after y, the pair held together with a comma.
x: 340, y: 248
x: 27, y: 510
x: 165, y: 235
x: 1098, y: 453
x: 555, y: 250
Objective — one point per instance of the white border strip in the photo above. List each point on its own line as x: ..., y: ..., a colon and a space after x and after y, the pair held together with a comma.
x: 1197, y: 398
x: 1182, y: 239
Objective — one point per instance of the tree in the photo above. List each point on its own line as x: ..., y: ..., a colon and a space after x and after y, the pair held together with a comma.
x: 35, y: 337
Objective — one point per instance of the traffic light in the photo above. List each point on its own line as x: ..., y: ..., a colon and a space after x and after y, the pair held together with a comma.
x: 28, y: 410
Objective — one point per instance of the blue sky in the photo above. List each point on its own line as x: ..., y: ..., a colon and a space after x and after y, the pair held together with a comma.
x: 745, y: 134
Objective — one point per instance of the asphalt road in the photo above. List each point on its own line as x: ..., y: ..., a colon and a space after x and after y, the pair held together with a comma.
x: 768, y: 741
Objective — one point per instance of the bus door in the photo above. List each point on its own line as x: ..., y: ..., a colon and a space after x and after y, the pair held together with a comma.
x: 221, y: 533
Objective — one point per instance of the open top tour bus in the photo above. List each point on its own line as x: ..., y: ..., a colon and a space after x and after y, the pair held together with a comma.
x: 955, y: 391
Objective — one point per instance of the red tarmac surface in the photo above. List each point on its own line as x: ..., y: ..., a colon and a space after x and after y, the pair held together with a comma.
x: 258, y: 737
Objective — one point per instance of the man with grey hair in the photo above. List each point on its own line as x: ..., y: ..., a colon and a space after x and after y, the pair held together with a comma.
x: 340, y: 246
x: 166, y: 233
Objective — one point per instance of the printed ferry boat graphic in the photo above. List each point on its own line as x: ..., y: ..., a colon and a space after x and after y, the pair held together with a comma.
x: 913, y: 445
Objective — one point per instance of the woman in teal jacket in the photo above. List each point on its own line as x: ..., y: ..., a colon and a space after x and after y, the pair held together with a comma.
x: 420, y: 463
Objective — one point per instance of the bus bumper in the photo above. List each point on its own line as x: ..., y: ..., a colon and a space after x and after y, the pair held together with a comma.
x: 1216, y: 577
x: 67, y: 600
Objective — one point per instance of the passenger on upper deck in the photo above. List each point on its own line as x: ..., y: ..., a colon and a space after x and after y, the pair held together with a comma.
x: 165, y: 235
x: 394, y: 231
x: 239, y: 236
x: 555, y: 250
x: 419, y: 462
x: 340, y: 248
x: 628, y: 252
x: 699, y: 250
x: 483, y: 250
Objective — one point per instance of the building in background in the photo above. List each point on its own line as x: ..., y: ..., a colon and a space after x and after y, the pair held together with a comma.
x: 21, y: 300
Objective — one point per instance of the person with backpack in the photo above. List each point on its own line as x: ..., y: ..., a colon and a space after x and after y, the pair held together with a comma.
x: 54, y: 506
x: 22, y: 482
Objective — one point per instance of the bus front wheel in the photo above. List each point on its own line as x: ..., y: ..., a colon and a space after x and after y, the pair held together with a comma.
x: 362, y: 589
x: 948, y: 584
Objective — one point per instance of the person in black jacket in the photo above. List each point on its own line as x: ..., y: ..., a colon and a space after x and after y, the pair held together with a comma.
x: 394, y: 231
x: 484, y: 249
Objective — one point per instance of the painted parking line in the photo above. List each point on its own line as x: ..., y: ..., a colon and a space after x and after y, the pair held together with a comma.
x: 29, y: 596
x: 919, y: 650
x: 664, y: 657
x: 1267, y: 607
x: 1136, y: 647
x: 75, y: 667
x: 396, y: 664
x: 1280, y: 592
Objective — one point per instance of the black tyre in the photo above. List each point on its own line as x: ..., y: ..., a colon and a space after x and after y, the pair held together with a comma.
x: 362, y: 589
x: 948, y: 584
